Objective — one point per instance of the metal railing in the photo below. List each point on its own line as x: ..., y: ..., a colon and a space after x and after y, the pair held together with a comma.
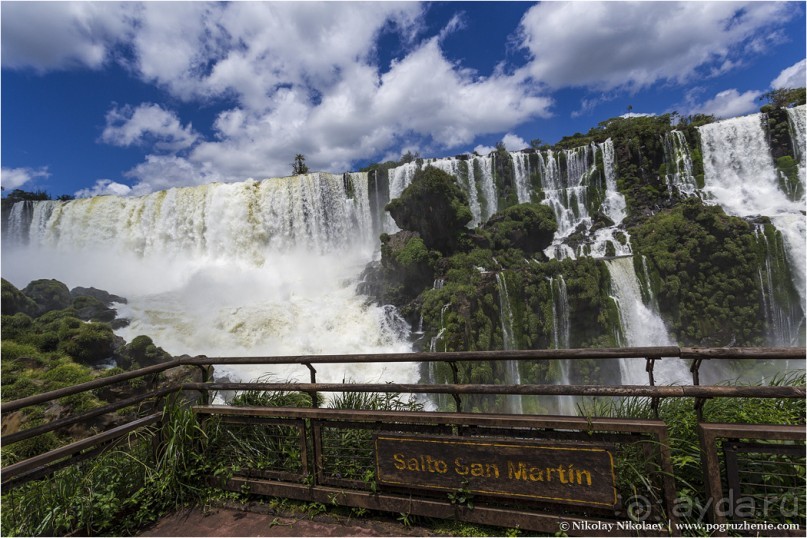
x: 150, y: 398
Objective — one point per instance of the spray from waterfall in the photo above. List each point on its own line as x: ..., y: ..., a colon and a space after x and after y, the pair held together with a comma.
x: 255, y: 268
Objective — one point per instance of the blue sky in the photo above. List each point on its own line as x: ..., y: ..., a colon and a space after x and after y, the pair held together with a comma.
x: 129, y: 98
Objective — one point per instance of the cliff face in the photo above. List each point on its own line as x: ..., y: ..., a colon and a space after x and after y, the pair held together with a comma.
x: 715, y: 272
x: 643, y: 231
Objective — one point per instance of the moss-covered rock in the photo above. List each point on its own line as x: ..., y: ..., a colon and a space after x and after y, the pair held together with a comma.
x: 434, y: 207
x: 87, y: 343
x: 707, y: 270
x: 527, y: 227
x: 141, y: 352
x: 14, y: 301
x: 48, y: 294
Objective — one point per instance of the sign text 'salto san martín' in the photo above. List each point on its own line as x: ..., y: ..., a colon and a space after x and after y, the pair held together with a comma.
x: 579, y: 474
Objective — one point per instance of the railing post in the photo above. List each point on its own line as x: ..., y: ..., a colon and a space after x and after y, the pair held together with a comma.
x: 456, y: 375
x: 313, y: 393
x: 654, y: 401
x: 695, y: 369
x: 205, y: 394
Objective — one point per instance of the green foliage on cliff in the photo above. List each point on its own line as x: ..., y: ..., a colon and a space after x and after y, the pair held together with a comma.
x: 526, y: 227
x: 434, y: 207
x: 705, y: 266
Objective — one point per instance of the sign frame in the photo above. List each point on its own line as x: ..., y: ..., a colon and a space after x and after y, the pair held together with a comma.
x: 499, y: 467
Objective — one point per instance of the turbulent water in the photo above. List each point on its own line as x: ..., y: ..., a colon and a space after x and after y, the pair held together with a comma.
x: 269, y: 267
x: 256, y: 268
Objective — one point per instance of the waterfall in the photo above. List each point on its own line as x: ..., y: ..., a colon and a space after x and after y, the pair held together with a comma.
x: 740, y: 176
x: 566, y: 193
x: 465, y: 180
x: 678, y: 160
x: 783, y: 317
x: 252, y: 268
x: 480, y: 188
x: 521, y: 175
x: 641, y: 326
x: 614, y: 207
x: 561, y: 339
x: 512, y: 376
x: 796, y: 120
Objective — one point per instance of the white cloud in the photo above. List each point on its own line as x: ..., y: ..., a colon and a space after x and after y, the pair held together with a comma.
x: 129, y: 126
x: 14, y: 178
x: 632, y: 45
x: 60, y: 35
x: 730, y: 103
x: 514, y: 142
x: 792, y: 77
x: 301, y: 77
x: 104, y: 187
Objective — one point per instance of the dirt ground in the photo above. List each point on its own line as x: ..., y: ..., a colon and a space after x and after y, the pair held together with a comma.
x: 252, y: 521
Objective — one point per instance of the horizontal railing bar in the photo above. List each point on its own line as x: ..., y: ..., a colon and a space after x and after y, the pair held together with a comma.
x: 536, y: 354
x: 630, y: 425
x: 101, y: 382
x: 700, y: 391
x: 458, y: 356
x: 55, y: 425
x: 31, y: 464
x: 780, y: 353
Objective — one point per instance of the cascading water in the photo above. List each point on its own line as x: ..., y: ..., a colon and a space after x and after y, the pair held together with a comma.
x: 784, y: 318
x: 254, y: 268
x: 741, y: 177
x: 480, y: 187
x: 796, y: 120
x: 678, y: 160
x: 512, y: 375
x: 615, y: 208
x: 641, y: 326
x: 561, y: 338
x: 521, y: 176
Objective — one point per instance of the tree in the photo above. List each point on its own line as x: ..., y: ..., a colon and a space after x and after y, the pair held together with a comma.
x: 536, y: 143
x: 298, y: 166
x: 783, y: 98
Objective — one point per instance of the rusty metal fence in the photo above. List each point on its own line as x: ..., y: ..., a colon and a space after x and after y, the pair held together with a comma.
x: 332, y: 455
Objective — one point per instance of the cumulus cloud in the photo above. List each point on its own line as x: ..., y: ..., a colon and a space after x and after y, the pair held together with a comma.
x: 730, y: 103
x: 60, y: 35
x: 14, y: 178
x: 105, y: 187
x: 300, y: 77
x: 632, y: 45
x: 792, y: 77
x: 148, y: 122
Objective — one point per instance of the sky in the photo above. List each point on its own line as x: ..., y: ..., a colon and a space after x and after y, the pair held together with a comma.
x: 130, y: 98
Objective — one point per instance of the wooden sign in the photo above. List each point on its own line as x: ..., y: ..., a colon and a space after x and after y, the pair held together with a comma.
x: 581, y: 474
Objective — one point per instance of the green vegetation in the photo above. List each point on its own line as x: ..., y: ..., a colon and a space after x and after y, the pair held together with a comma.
x: 705, y: 274
x: 434, y: 207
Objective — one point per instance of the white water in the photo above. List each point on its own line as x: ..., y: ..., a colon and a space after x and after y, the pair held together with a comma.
x: 641, y: 326
x: 679, y: 164
x: 512, y: 375
x: 483, y: 197
x: 521, y: 175
x: 256, y: 268
x: 740, y: 176
x: 796, y: 118
x: 561, y: 338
